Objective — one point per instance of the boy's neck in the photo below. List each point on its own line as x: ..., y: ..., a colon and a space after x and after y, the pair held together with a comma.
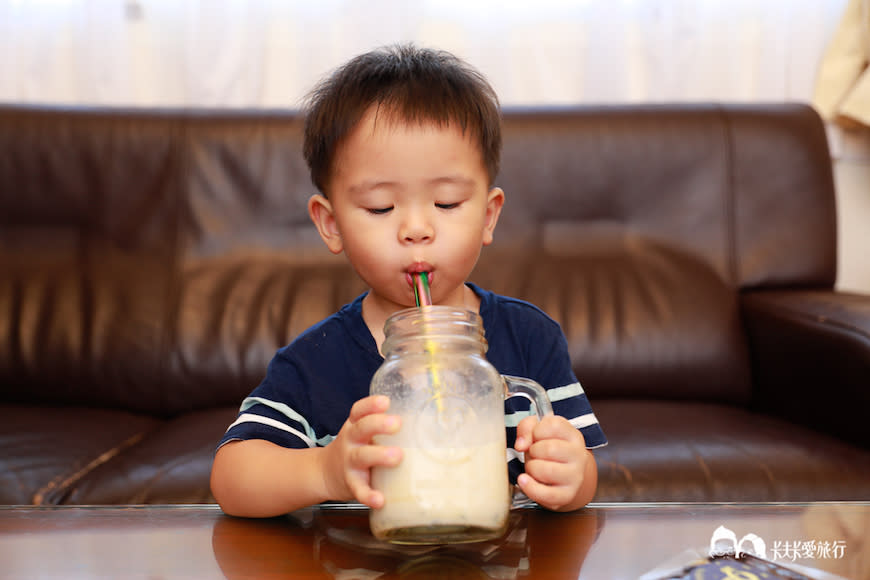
x: 375, y: 312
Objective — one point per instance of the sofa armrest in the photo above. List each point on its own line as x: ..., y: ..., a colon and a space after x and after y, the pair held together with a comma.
x: 810, y: 354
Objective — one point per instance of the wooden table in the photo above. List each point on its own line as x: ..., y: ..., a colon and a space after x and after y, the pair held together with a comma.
x: 602, y: 541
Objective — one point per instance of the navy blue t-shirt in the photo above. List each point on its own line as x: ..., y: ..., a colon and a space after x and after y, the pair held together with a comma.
x: 311, y: 384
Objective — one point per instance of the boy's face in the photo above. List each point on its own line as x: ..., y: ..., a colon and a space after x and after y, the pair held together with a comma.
x: 406, y: 198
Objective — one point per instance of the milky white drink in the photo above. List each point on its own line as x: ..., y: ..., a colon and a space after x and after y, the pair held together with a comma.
x: 445, y: 493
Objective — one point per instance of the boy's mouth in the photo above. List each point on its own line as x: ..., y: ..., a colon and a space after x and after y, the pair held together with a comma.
x: 417, y: 268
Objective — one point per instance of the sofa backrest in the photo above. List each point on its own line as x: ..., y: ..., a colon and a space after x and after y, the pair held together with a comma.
x: 154, y: 260
x: 636, y: 227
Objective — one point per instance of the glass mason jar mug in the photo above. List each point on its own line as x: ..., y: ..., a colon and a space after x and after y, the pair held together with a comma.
x: 452, y: 484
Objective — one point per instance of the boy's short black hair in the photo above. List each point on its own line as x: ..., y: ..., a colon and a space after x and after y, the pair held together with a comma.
x: 410, y: 84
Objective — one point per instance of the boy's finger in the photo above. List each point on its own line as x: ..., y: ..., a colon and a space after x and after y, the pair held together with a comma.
x: 371, y: 425
x: 367, y: 456
x: 375, y: 499
x: 547, y: 472
x: 360, y: 461
x: 552, y: 450
x: 367, y: 406
x: 551, y: 496
x: 555, y: 427
x: 525, y: 432
x: 365, y: 494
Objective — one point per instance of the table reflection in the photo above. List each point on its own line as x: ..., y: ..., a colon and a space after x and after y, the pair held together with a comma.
x: 846, y: 523
x: 337, y: 543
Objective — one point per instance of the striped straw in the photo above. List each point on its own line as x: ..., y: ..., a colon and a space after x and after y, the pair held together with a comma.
x: 424, y: 298
x: 421, y: 289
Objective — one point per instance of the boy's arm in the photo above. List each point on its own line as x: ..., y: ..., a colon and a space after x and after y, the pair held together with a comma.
x: 256, y: 478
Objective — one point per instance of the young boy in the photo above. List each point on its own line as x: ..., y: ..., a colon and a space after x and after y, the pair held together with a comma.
x: 403, y: 145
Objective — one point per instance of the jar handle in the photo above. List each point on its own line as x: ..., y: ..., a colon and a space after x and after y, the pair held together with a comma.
x: 531, y: 390
x: 534, y: 392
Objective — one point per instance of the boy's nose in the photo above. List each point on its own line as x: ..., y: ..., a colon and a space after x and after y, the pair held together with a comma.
x: 416, y: 229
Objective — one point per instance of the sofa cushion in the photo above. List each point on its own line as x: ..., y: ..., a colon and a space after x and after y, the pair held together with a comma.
x: 96, y: 456
x: 171, y: 464
x: 48, y: 450
x: 642, y: 319
x: 681, y: 451
x: 82, y: 323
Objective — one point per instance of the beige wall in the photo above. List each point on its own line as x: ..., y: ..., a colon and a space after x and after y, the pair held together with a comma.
x: 267, y: 53
x: 852, y: 180
x: 850, y: 149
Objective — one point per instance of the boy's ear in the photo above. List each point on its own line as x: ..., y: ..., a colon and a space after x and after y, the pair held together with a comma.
x: 321, y: 213
x: 494, y: 202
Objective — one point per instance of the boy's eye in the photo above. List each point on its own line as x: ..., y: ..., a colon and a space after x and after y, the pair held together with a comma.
x: 447, y: 205
x: 379, y: 210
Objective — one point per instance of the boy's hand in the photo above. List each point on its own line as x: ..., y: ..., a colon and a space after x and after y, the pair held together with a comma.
x: 557, y: 471
x: 350, y: 457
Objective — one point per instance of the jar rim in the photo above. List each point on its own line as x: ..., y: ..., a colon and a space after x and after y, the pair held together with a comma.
x: 434, y: 322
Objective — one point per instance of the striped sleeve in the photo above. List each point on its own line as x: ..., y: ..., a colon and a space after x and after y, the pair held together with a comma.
x: 271, y: 413
x: 570, y: 401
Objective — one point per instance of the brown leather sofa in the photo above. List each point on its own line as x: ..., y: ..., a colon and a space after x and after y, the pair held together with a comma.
x: 152, y: 261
